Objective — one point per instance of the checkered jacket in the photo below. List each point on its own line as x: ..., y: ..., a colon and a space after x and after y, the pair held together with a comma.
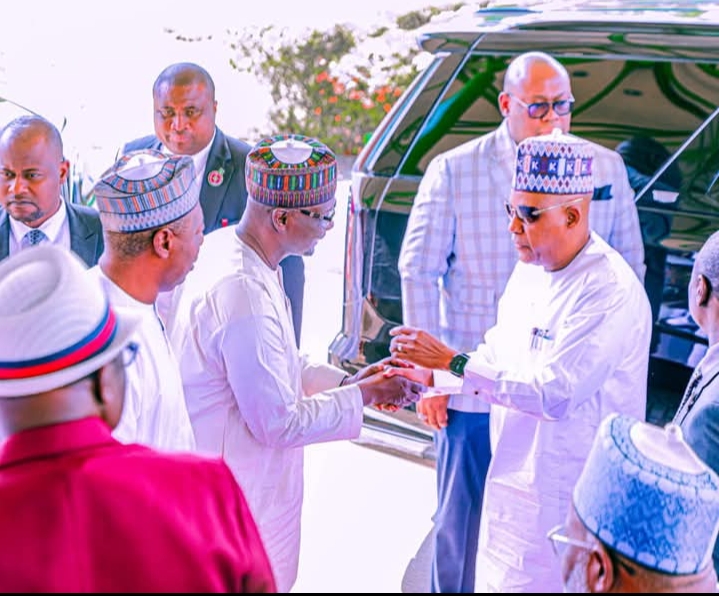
x: 457, y: 252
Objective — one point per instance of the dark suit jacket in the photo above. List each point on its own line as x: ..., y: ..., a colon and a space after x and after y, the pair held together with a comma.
x: 85, y: 233
x: 223, y: 205
x: 700, y: 425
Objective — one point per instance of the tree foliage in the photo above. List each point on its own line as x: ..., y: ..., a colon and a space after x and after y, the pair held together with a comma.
x: 334, y: 85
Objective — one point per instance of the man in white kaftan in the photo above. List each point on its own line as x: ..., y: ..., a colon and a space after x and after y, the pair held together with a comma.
x: 571, y: 345
x: 152, y: 227
x: 252, y: 397
x: 566, y: 353
x: 154, y: 412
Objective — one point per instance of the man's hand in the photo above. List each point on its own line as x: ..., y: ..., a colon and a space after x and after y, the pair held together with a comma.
x: 390, y: 391
x: 433, y: 411
x: 419, y: 347
x: 376, y: 367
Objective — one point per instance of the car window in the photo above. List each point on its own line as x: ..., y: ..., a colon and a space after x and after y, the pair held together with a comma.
x: 616, y: 99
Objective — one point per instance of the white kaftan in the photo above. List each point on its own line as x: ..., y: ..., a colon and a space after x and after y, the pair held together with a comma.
x: 569, y: 348
x: 154, y: 412
x: 252, y: 398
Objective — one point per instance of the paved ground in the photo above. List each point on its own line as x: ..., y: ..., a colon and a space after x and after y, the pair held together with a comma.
x: 366, y: 520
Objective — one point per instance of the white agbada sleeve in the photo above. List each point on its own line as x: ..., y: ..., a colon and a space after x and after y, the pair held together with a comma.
x: 266, y: 374
x: 555, y: 374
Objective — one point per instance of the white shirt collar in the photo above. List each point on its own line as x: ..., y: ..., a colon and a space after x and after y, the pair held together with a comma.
x: 199, y: 159
x: 52, y: 226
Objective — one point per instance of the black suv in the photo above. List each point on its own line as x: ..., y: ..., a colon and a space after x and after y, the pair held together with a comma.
x: 651, y: 74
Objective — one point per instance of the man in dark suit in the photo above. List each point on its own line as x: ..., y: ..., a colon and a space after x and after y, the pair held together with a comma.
x: 33, y: 171
x: 184, y: 115
x: 698, y: 411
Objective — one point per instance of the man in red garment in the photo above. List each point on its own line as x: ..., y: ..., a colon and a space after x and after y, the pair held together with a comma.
x: 81, y: 511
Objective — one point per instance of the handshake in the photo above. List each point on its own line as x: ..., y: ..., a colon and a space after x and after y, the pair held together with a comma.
x: 390, y: 383
x: 406, y: 375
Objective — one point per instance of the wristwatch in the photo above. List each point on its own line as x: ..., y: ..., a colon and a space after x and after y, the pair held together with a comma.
x: 457, y: 364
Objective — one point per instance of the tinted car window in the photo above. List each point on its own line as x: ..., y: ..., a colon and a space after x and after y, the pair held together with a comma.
x: 637, y: 80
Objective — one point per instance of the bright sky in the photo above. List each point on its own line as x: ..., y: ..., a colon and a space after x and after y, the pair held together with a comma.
x: 94, y: 62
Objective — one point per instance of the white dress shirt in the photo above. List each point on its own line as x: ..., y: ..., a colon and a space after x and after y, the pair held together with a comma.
x: 56, y: 228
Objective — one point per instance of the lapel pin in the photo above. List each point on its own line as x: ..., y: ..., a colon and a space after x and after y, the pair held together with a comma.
x: 216, y: 177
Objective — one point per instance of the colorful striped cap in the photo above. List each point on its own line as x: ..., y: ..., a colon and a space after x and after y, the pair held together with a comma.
x: 645, y: 493
x: 555, y: 164
x: 291, y: 171
x: 146, y: 189
x: 56, y: 322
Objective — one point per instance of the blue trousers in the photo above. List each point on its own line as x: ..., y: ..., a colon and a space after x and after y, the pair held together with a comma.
x: 463, y: 454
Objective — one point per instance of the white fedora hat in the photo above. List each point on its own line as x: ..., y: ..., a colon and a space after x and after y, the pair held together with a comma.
x: 56, y: 324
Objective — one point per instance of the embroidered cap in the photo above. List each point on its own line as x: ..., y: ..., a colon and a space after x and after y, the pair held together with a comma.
x: 56, y: 320
x: 291, y: 171
x: 646, y: 494
x: 557, y: 164
x: 145, y: 189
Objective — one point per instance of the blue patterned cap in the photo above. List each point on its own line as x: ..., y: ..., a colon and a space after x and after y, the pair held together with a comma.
x: 291, y: 171
x: 645, y: 493
x: 555, y: 164
x: 146, y: 189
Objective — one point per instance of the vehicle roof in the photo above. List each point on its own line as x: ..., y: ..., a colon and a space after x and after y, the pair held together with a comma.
x: 621, y: 29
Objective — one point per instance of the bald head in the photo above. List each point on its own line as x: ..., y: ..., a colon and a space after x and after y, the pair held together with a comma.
x: 535, y: 78
x: 33, y: 127
x: 183, y: 98
x: 183, y: 74
x: 707, y: 261
x: 34, y: 170
x: 529, y: 66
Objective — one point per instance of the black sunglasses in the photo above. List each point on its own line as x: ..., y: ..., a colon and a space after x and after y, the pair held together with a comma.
x: 528, y: 215
x: 314, y: 215
x: 540, y: 109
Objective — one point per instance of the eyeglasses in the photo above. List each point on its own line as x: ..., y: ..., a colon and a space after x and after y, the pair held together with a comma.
x: 540, y: 109
x: 560, y: 543
x: 314, y: 215
x: 129, y: 353
x: 529, y: 215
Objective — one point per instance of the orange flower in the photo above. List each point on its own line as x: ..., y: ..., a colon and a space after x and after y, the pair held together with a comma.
x: 332, y: 99
x: 317, y: 110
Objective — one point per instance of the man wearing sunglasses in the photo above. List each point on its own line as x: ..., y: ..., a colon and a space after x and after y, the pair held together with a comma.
x: 569, y: 346
x: 455, y: 260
